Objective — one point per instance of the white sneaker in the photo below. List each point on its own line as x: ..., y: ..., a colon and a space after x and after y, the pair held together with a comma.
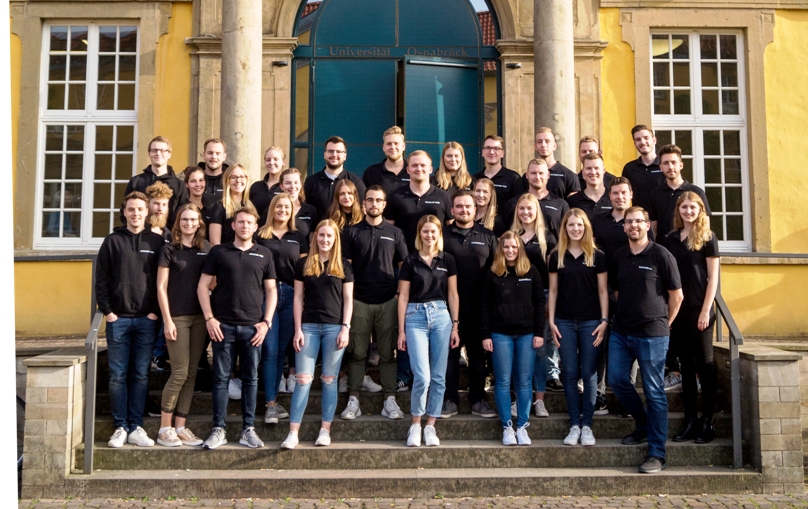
x: 140, y: 438
x: 587, y: 438
x: 282, y: 386
x: 414, y: 436
x: 430, y: 436
x: 369, y: 385
x: 290, y: 384
x: 673, y: 381
x: 391, y: 409
x: 539, y: 410
x: 352, y: 410
x: 291, y: 441
x: 324, y: 438
x: 342, y: 388
x: 508, y: 435
x: 169, y: 438
x: 573, y: 437
x: 234, y: 388
x: 522, y: 437
x: 513, y: 409
x: 118, y: 438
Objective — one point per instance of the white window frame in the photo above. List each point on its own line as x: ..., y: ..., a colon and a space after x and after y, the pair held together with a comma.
x: 90, y: 117
x: 697, y: 122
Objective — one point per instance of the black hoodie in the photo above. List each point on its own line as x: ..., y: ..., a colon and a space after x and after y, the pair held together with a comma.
x: 213, y: 184
x: 142, y: 181
x: 513, y: 304
x: 126, y: 273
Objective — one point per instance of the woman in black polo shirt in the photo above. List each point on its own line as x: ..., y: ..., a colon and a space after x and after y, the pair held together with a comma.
x: 485, y: 198
x: 427, y: 281
x: 513, y: 327
x: 262, y: 192
x: 195, y: 182
x: 695, y: 248
x: 305, y: 213
x: 323, y: 305
x: 578, y: 308
x: 178, y: 272
x: 452, y: 174
x: 288, y: 246
x: 345, y: 209
x: 235, y: 183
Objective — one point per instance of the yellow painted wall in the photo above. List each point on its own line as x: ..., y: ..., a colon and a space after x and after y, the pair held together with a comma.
x: 52, y: 298
x: 172, y: 95
x: 16, y: 73
x: 617, y: 89
x: 787, y: 108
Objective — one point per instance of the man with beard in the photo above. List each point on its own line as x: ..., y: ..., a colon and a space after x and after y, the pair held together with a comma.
x: 319, y: 188
x: 159, y: 196
x: 594, y: 197
x: 214, y: 154
x: 390, y: 173
x: 159, y: 153
x: 563, y: 181
x: 376, y: 249
x: 644, y: 172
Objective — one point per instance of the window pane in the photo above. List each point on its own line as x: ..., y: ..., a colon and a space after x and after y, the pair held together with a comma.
x: 103, y: 166
x: 78, y: 67
x: 684, y: 139
x: 681, y: 102
x: 302, y: 78
x: 75, y: 137
x: 51, y: 223
x: 712, y: 171
x: 101, y: 224
x: 123, y: 167
x: 729, y: 102
x: 56, y: 97
x: 734, y: 227
x: 56, y: 67
x: 71, y: 223
x: 712, y: 143
x: 74, y: 166
x: 78, y: 38
x: 708, y: 47
x: 661, y: 74
x: 102, y: 196
x: 51, y: 196
x: 663, y: 138
x: 53, y: 166
x: 662, y: 102
x: 106, y: 97
x: 75, y: 97
x: 106, y: 39
x: 709, y: 75
x: 732, y: 143
x: 687, y: 169
x: 103, y: 138
x: 54, y: 136
x: 120, y: 189
x: 126, y: 97
x: 681, y: 46
x: 128, y: 41
x: 732, y: 171
x: 734, y: 199
x: 58, y: 38
x: 660, y: 46
x: 302, y: 160
x: 73, y: 193
x: 728, y: 50
x: 709, y: 102
x: 106, y: 68
x: 125, y: 137
x: 729, y: 74
x: 126, y: 67
x: 681, y: 75
x: 714, y: 199
x: 717, y: 225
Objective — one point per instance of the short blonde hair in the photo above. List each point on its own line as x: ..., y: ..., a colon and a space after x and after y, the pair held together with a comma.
x: 393, y: 130
x: 429, y: 218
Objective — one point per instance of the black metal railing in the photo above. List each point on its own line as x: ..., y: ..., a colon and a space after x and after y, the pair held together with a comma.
x: 735, y: 340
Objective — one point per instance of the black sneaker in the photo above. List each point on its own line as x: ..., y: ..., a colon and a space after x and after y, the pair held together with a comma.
x: 555, y: 385
x: 636, y: 437
x: 653, y: 464
x: 600, y: 405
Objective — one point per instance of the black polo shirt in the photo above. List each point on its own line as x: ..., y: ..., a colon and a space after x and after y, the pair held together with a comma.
x: 184, y: 269
x: 453, y: 188
x: 378, y: 174
x: 375, y: 252
x: 642, y: 282
x: 644, y: 180
x: 213, y: 183
x: 692, y: 267
x: 238, y: 298
x: 507, y: 184
x: 261, y: 196
x: 578, y: 286
x: 218, y: 215
x: 428, y: 282
x: 610, y: 234
x: 407, y: 208
x: 533, y: 251
x: 473, y: 250
x: 582, y: 201
x: 563, y: 181
x: 319, y: 190
x: 306, y: 218
x: 286, y: 251
x: 553, y: 209
x: 663, y: 205
x: 608, y: 178
x: 322, y: 295
x: 500, y: 225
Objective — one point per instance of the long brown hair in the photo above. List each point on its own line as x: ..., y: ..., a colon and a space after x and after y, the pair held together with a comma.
x: 176, y: 231
x: 444, y: 179
x: 538, y: 224
x: 314, y: 266
x: 490, y: 215
x: 500, y: 265
x: 700, y: 233
x: 587, y: 241
x: 266, y: 231
x: 335, y: 212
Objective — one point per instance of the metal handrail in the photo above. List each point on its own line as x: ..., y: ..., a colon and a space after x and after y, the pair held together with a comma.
x: 735, y: 340
x: 91, y: 345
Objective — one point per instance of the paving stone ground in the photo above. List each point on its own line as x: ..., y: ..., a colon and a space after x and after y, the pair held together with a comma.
x: 644, y: 502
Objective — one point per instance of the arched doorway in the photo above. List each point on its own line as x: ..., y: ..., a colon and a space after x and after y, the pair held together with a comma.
x: 364, y: 65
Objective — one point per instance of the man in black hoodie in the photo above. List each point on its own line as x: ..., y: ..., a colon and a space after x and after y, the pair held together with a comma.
x: 159, y: 170
x: 214, y: 154
x: 126, y: 292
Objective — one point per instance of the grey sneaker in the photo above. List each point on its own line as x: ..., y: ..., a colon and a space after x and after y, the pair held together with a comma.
x: 282, y: 413
x: 482, y: 409
x: 672, y: 382
x: 118, y: 438
x: 250, y: 438
x: 573, y: 437
x: 271, y: 414
x: 539, y: 410
x: 514, y: 412
x: 169, y: 438
x: 217, y: 437
x: 352, y: 410
x: 448, y: 409
x: 391, y: 409
x: 140, y: 438
x: 369, y: 385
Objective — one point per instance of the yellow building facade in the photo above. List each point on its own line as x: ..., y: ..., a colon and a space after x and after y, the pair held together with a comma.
x: 724, y: 79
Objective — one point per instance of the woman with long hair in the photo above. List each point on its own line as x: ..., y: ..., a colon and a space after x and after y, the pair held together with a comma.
x: 513, y: 327
x: 262, y: 192
x: 178, y: 273
x: 305, y: 213
x: 345, y: 209
x: 485, y: 198
x: 452, y: 174
x: 235, y: 182
x: 195, y: 182
x: 695, y: 248
x: 578, y: 308
x: 323, y: 305
x: 288, y: 245
x: 427, y: 281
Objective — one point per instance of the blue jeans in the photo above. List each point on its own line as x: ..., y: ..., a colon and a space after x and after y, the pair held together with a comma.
x: 513, y: 358
x: 428, y: 327
x: 540, y: 367
x: 580, y: 358
x: 317, y: 336
x: 650, y: 354
x: 277, y: 340
x: 129, y: 350
x: 236, y: 342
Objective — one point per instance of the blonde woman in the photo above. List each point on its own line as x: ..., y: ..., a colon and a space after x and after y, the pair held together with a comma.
x: 485, y: 197
x: 262, y: 192
x: 427, y: 281
x: 235, y: 182
x: 323, y: 306
x: 345, y: 209
x: 452, y: 174
x: 578, y: 307
x: 513, y: 327
x: 305, y: 213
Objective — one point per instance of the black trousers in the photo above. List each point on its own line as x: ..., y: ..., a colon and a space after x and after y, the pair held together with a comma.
x: 694, y: 348
x: 470, y: 336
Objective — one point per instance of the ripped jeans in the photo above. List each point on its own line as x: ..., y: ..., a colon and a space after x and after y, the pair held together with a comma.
x: 315, y: 337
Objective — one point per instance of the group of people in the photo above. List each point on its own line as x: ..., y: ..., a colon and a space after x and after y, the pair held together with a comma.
x: 549, y: 279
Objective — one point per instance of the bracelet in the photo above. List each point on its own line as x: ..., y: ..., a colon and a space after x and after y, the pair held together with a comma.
x: 209, y: 318
x: 604, y: 320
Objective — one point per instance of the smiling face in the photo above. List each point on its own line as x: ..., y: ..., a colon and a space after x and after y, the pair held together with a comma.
x: 135, y: 213
x: 429, y: 235
x: 593, y: 172
x: 575, y: 228
x: 283, y: 211
x: 452, y: 159
x: 586, y: 148
x: 636, y: 226
x: 189, y: 222
x: 238, y: 181
x: 419, y: 168
x: 526, y: 211
x: 273, y: 162
x: 644, y: 142
x: 482, y: 194
x: 214, y: 156
x: 394, y: 147
x: 510, y: 249
x: 335, y: 155
x: 620, y: 196
x: 464, y: 210
x: 291, y: 184
x: 346, y: 198
x: 689, y: 210
x: 493, y: 152
x: 325, y: 238
x: 196, y: 183
x: 159, y: 153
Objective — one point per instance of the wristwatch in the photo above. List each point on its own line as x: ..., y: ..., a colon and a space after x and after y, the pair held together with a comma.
x: 269, y: 325
x: 348, y: 325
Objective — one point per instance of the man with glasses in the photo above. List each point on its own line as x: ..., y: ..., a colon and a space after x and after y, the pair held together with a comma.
x: 646, y: 283
x: 507, y: 183
x: 319, y: 188
x: 159, y: 171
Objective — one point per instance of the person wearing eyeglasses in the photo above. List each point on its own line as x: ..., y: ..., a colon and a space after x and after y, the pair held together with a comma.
x: 159, y: 171
x: 236, y: 182
x: 319, y: 188
x: 648, y: 288
x: 508, y: 183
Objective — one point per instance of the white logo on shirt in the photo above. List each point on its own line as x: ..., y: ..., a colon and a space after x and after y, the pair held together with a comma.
x: 388, y: 238
x: 556, y: 174
x: 304, y: 217
x: 526, y: 279
x: 256, y: 254
x: 643, y: 267
x: 432, y: 202
x: 201, y: 254
x: 146, y: 251
x: 441, y: 269
x: 478, y: 243
x: 549, y: 207
x: 293, y: 242
x: 656, y: 171
x: 500, y: 185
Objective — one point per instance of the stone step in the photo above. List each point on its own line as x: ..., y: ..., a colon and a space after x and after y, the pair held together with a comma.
x: 409, y: 482
x: 472, y: 454
x: 377, y: 428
